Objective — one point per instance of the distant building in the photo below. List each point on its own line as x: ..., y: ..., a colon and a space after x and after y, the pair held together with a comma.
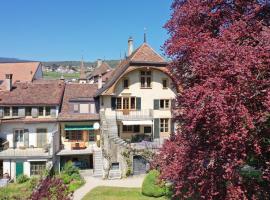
x: 101, y: 70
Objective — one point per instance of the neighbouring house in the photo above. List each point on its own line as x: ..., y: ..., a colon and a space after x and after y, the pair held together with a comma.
x: 28, y: 125
x: 79, y: 128
x: 135, y: 110
x: 21, y: 72
x: 102, y: 70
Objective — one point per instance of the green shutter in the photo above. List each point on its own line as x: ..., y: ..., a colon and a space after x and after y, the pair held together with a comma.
x: 156, y: 104
x: 19, y: 168
x: 113, y: 103
x: 26, y: 137
x: 156, y: 128
x: 138, y: 103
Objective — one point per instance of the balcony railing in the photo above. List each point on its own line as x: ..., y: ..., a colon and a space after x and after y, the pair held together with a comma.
x: 134, y: 114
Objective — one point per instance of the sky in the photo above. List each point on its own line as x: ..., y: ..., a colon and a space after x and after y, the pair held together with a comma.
x: 59, y: 30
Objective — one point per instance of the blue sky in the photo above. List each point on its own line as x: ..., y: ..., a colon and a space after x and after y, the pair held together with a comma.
x: 51, y: 30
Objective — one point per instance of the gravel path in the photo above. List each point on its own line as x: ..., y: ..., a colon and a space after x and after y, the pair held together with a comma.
x: 92, y: 182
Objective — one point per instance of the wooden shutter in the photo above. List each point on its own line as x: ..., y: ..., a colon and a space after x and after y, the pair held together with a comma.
x: 138, y: 103
x: 1, y: 112
x: 156, y: 104
x: 53, y: 112
x: 21, y: 112
x: 26, y: 137
x: 113, y: 103
x: 34, y: 112
x: 156, y: 128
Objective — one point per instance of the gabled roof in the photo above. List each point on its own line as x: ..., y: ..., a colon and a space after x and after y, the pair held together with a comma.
x: 77, y: 92
x: 102, y: 69
x: 38, y: 92
x: 23, y: 72
x: 142, y: 56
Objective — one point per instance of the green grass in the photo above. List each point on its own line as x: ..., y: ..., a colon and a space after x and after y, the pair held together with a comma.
x: 57, y: 75
x: 117, y: 193
x: 16, y: 191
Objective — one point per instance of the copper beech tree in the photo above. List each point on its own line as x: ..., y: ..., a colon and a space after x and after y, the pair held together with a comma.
x: 220, y: 52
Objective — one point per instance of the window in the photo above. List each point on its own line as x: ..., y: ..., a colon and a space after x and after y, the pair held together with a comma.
x: 37, y: 168
x: 6, y: 111
x: 146, y: 79
x: 15, y: 111
x: 132, y: 103
x: 74, y: 135
x: 18, y: 133
x: 41, y: 137
x: 40, y: 111
x: 76, y: 107
x: 48, y: 111
x: 127, y: 128
x: 119, y: 103
x: 164, y: 125
x: 165, y: 83
x: 125, y: 83
x: 125, y: 103
x: 92, y: 136
x: 147, y: 129
x: 28, y: 111
x: 115, y: 166
x: 131, y: 128
x: 164, y: 103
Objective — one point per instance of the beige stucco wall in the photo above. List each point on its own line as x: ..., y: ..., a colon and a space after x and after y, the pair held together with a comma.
x: 147, y: 95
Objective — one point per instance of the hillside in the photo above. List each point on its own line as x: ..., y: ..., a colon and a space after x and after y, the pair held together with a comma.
x: 112, y: 63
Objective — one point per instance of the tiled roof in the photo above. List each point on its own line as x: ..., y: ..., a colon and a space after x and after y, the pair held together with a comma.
x: 77, y: 91
x: 143, y: 55
x: 38, y: 92
x: 102, y: 69
x: 23, y: 72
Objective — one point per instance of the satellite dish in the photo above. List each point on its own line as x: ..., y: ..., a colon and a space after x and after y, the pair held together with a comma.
x: 96, y: 125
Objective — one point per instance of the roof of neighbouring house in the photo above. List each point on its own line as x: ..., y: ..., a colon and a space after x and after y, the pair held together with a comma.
x: 102, y: 69
x: 38, y: 92
x: 22, y: 71
x: 143, y: 56
x: 77, y: 92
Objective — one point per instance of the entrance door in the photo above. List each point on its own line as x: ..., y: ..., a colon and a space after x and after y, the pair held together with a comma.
x: 126, y: 105
x: 91, y: 161
x: 139, y: 165
x: 1, y: 169
x: 41, y: 137
x: 19, y: 168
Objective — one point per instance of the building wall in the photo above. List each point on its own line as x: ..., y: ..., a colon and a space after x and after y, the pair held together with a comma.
x: 38, y: 74
x: 7, y: 131
x: 147, y: 95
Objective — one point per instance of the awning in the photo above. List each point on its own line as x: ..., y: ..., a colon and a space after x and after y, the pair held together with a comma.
x: 145, y: 122
x: 78, y: 127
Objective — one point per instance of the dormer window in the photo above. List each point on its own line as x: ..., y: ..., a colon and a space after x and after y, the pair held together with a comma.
x: 15, y: 111
x: 76, y: 107
x: 48, y: 111
x: 146, y: 79
x: 28, y: 111
x: 125, y: 83
x: 7, y: 111
x: 165, y: 83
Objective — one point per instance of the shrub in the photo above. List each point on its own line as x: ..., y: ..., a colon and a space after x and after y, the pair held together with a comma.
x: 22, y: 179
x: 51, y: 188
x: 70, y: 169
x: 66, y: 178
x: 33, y: 182
x: 152, y: 186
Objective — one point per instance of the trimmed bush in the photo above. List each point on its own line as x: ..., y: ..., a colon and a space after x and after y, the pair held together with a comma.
x: 22, y: 179
x: 152, y: 186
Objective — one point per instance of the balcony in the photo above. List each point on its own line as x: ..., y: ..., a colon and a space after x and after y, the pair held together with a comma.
x: 146, y: 114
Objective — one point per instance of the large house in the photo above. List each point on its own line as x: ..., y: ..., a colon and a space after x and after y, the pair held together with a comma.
x: 105, y: 122
x: 135, y: 109
x: 28, y: 126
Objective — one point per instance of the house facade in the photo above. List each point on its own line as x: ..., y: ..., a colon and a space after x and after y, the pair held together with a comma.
x: 79, y: 128
x: 29, y: 127
x: 135, y: 110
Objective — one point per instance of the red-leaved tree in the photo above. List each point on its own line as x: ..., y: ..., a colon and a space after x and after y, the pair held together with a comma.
x: 220, y: 51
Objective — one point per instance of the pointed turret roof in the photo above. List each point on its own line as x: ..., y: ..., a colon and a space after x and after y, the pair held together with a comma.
x: 82, y: 71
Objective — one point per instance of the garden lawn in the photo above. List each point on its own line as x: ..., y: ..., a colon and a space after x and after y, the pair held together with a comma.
x: 57, y: 75
x: 16, y: 191
x: 117, y: 193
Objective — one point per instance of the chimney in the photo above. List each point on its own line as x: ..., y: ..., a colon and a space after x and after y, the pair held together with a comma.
x: 8, y: 82
x: 130, y: 46
x: 99, y: 62
x: 99, y: 81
